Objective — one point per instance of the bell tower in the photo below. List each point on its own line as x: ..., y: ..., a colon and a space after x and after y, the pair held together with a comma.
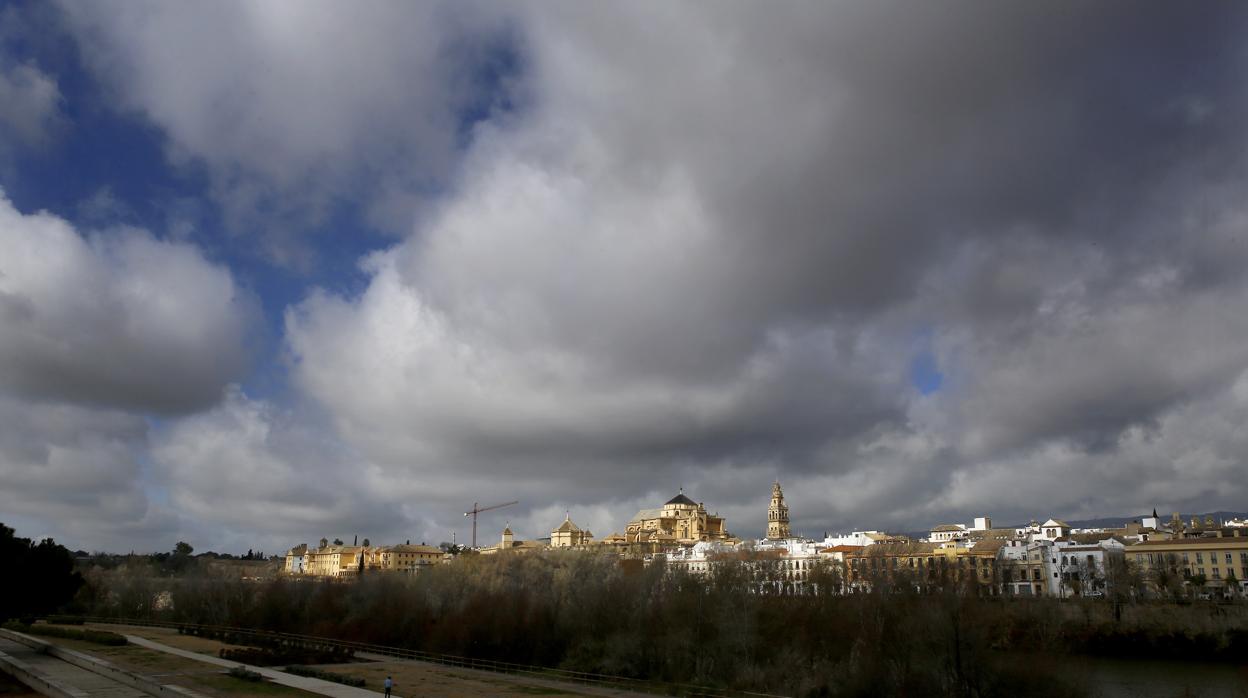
x: 777, y: 515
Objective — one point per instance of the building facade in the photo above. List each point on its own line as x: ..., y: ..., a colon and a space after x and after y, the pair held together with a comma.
x: 508, y: 543
x: 1218, y: 563
x: 402, y: 558
x: 569, y: 535
x: 925, y: 566
x: 681, y: 521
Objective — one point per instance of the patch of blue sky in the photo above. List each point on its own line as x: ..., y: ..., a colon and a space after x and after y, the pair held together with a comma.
x: 925, y: 374
x: 493, y: 67
x: 108, y: 167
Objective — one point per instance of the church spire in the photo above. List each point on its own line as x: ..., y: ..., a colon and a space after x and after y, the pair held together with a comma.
x: 777, y: 515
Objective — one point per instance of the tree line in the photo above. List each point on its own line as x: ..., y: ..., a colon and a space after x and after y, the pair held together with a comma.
x: 39, y: 576
x: 588, y: 612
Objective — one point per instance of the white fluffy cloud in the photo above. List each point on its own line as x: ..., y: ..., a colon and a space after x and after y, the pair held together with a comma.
x: 295, y: 107
x: 118, y: 319
x: 96, y: 333
x: 77, y: 473
x: 248, y: 473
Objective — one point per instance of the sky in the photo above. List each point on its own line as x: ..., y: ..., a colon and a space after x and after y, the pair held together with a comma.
x: 272, y: 272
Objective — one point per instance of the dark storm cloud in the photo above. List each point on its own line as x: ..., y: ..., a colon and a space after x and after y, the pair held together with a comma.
x: 712, y: 244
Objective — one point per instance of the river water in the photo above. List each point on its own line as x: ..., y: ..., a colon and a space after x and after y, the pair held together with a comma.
x: 1129, y: 678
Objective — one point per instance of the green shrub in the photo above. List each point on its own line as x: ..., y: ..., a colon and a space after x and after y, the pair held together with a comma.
x: 242, y: 672
x: 64, y: 620
x: 99, y: 637
x: 300, y: 670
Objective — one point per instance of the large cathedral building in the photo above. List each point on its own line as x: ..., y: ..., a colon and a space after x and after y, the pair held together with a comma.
x: 681, y: 521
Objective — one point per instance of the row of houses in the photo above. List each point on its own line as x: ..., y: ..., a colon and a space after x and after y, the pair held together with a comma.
x: 339, y: 560
x: 1039, y: 559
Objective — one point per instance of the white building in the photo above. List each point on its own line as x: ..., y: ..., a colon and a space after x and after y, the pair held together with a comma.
x: 698, y: 559
x: 858, y: 538
x: 1054, y: 529
x: 296, y: 557
x: 1082, y: 568
x: 1061, y: 568
x: 1049, y: 530
x: 946, y: 532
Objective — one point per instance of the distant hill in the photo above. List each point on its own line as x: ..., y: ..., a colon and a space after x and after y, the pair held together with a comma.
x: 1118, y: 521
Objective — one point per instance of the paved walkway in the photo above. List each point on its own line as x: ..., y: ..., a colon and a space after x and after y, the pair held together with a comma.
x: 325, y: 688
x: 67, y: 674
x: 521, y: 680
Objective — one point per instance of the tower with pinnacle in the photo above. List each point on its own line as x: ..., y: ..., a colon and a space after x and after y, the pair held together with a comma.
x: 777, y: 515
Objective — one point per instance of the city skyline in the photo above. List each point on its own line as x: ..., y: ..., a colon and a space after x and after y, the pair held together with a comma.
x: 274, y: 270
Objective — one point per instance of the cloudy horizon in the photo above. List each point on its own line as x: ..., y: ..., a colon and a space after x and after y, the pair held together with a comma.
x: 282, y: 271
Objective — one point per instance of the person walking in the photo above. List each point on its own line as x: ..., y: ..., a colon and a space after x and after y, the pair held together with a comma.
x: 389, y: 685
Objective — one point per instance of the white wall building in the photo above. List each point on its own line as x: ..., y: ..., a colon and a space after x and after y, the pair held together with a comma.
x: 697, y: 559
x: 1054, y: 529
x: 1082, y: 568
x: 296, y: 557
x: 861, y: 538
x: 1049, y: 530
x: 946, y: 532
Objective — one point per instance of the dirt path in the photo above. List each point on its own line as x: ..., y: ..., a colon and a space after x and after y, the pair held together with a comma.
x: 412, y: 678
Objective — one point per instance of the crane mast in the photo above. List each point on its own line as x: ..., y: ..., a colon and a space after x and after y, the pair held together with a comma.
x: 477, y: 510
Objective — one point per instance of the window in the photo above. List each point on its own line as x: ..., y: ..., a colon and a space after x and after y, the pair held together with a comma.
x: 1200, y: 558
x: 1243, y: 558
x: 1228, y: 559
x: 1185, y: 560
x: 1216, y: 574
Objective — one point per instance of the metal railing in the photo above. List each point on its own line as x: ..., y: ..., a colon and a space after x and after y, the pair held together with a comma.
x: 551, y: 673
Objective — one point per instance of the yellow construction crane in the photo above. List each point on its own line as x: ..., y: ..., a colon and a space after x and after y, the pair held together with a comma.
x: 477, y: 510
